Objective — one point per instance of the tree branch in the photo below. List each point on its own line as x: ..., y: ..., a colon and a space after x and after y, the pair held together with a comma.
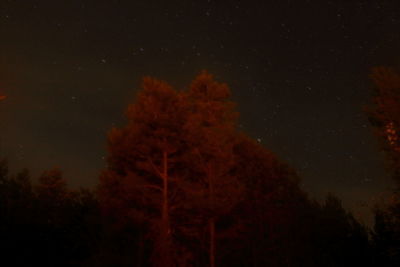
x: 160, y: 174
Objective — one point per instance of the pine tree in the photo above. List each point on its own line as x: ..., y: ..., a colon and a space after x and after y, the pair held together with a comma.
x: 211, y: 136
x: 143, y: 160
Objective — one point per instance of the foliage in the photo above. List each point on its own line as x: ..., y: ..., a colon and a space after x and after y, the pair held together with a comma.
x: 384, y: 114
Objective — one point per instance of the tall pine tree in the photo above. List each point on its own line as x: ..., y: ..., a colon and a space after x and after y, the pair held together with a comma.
x: 143, y: 159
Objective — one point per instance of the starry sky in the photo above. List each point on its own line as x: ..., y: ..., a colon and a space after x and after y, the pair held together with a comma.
x: 298, y: 71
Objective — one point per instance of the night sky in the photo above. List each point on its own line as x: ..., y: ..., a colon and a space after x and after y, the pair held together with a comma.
x: 298, y: 71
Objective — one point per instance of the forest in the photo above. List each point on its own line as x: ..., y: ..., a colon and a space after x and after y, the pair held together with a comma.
x: 184, y: 186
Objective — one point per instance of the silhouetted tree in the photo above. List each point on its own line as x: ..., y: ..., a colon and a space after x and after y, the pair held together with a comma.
x: 386, y: 235
x: 340, y: 239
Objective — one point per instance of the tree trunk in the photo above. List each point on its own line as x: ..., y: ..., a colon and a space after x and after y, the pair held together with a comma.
x: 165, y: 223
x: 140, y: 252
x: 211, y: 221
x: 212, y: 242
x: 165, y: 212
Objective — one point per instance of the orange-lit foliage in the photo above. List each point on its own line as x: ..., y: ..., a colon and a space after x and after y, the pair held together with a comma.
x: 385, y: 113
x: 211, y: 137
x: 392, y: 136
x: 143, y: 164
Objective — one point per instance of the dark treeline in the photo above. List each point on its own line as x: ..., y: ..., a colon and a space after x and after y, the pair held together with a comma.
x: 183, y: 187
x: 48, y: 224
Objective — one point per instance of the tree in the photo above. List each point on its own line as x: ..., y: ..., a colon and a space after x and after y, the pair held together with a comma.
x: 143, y: 159
x: 52, y: 186
x: 384, y: 114
x: 269, y: 212
x: 211, y: 137
x: 386, y: 236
